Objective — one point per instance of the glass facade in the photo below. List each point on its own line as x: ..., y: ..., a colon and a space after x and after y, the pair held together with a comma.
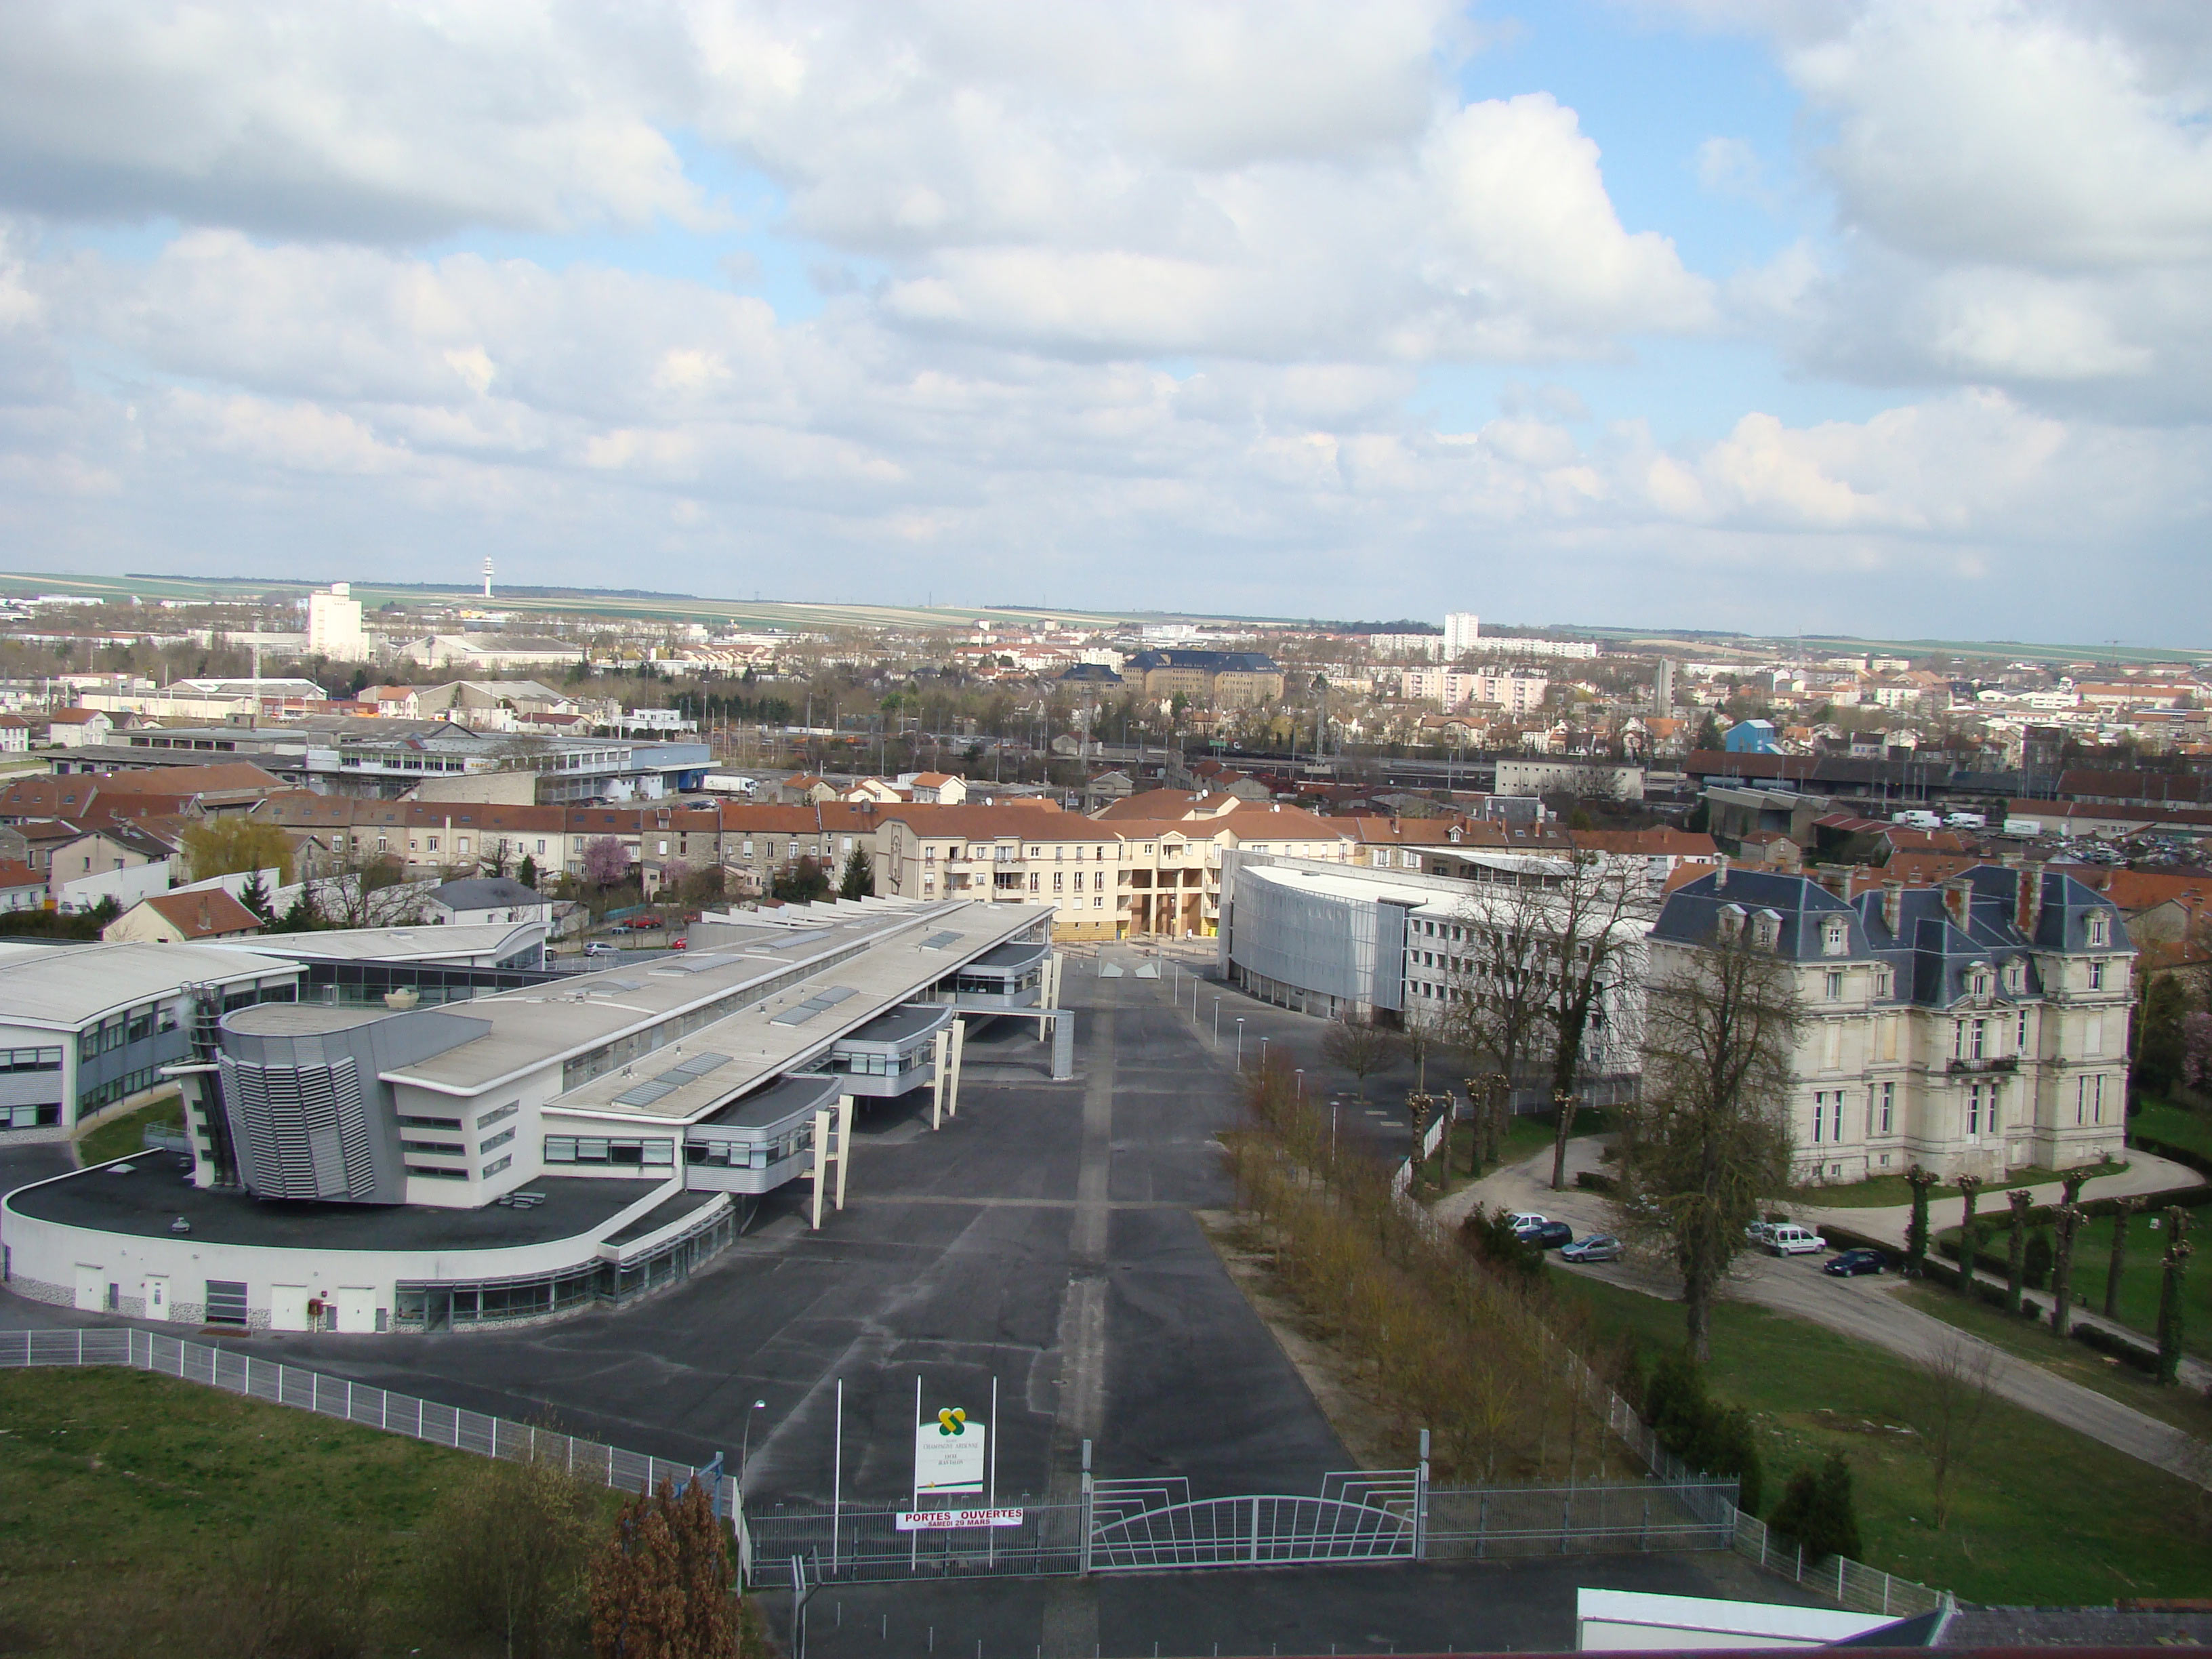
x: 461, y: 1304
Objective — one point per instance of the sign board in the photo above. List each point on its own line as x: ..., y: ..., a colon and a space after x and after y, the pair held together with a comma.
x: 954, y: 1520
x: 948, y: 1454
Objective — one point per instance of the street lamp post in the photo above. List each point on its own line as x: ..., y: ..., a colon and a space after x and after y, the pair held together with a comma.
x: 1263, y: 1054
x: 1300, y: 1073
x: 745, y: 1444
x: 1240, y: 1046
x: 1217, y: 1019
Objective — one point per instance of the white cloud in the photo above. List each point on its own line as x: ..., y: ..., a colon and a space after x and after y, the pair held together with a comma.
x: 2024, y: 198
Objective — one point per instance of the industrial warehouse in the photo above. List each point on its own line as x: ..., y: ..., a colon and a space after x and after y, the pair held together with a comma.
x: 363, y: 1165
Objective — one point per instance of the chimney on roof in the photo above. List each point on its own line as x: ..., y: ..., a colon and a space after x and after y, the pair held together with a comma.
x: 2028, y: 898
x: 1958, y: 894
x: 1720, y: 874
x: 1835, y: 880
x: 1892, y: 905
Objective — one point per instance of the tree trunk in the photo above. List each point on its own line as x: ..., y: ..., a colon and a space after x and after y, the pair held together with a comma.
x: 2016, y: 1252
x: 1970, y: 1242
x: 2178, y: 1252
x: 1698, y: 1314
x: 1563, y: 1103
x: 2117, y: 1267
x: 2062, y: 1269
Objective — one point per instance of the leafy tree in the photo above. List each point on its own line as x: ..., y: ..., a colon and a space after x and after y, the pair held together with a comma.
x: 2161, y: 1039
x: 231, y: 845
x: 858, y: 881
x: 1360, y: 1048
x: 1818, y: 1510
x: 1701, y: 1430
x: 506, y: 1555
x: 2178, y: 1252
x: 1916, y: 1232
x: 662, y: 1586
x: 1709, y: 1137
x: 1488, y: 1235
x: 526, y: 872
x: 1586, y: 915
x: 1495, y: 1007
x: 801, y: 883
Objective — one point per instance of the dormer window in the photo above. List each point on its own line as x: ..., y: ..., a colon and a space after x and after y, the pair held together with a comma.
x: 1731, y: 921
x: 1882, y: 983
x: 1767, y: 929
x: 2100, y: 929
x: 2015, y: 978
x: 1835, y: 936
x: 1977, y: 982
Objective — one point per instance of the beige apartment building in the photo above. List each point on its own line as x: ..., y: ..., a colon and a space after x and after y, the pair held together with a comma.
x: 1117, y: 875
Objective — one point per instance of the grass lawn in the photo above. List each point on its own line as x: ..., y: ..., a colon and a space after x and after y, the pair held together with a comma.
x: 1880, y: 1192
x: 126, y: 1498
x: 2032, y: 1340
x: 2140, y: 1279
x: 119, y: 1136
x: 2039, y: 1514
x: 2176, y: 1125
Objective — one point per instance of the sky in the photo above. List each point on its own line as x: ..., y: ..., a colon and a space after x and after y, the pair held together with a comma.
x: 1788, y: 316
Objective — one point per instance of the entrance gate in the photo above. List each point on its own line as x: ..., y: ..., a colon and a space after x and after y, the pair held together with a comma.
x: 1154, y: 1526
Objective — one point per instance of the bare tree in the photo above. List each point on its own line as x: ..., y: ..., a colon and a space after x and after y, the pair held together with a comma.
x: 1959, y: 1374
x: 1493, y: 962
x: 1358, y: 1048
x: 1591, y: 947
x: 1710, y: 1136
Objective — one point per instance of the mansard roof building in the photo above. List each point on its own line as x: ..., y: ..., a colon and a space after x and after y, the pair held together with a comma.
x: 1975, y: 1026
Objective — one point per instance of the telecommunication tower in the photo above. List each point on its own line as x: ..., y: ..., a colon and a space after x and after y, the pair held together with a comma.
x: 487, y: 575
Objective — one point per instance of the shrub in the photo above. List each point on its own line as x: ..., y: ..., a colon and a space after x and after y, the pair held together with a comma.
x: 1699, y: 1429
x: 1593, y: 1181
x: 2118, y: 1347
x: 1818, y: 1510
x: 1488, y: 1235
x: 2035, y: 1266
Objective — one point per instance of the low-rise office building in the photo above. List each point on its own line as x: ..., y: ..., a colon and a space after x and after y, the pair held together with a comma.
x: 359, y: 1166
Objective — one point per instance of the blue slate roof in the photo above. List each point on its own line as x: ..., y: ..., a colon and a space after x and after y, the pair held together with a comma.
x: 1930, y: 947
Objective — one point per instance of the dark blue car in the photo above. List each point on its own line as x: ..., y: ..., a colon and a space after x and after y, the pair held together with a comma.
x: 1851, y: 1263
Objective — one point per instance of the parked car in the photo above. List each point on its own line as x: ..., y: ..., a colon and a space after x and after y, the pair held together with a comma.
x: 1598, y: 1247
x: 1756, y: 1232
x: 1851, y: 1263
x: 1527, y: 1221
x: 1549, y: 1237
x: 1787, y: 1238
x: 596, y: 949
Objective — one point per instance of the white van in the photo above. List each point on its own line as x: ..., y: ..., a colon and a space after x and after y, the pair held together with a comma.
x: 1966, y: 821
x: 1787, y: 1238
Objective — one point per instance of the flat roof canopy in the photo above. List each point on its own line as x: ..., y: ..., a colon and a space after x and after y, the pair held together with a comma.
x: 152, y: 1194
x: 761, y: 1114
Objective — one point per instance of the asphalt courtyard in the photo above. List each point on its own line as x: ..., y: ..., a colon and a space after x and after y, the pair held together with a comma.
x: 1042, y: 1241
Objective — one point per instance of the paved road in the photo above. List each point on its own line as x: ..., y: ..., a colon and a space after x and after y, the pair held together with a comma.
x: 1043, y: 1238
x: 1866, y: 1309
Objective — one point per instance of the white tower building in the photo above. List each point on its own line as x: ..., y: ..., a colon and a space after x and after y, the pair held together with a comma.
x: 487, y: 575
x: 1461, y: 630
x: 334, y: 627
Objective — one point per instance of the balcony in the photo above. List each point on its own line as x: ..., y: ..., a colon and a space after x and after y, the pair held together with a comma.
x: 1975, y: 1067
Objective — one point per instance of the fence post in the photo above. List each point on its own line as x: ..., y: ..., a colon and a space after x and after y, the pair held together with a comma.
x: 1482, y: 1527
x: 80, y: 1345
x: 1084, y: 1555
x: 1643, y: 1538
x: 1255, y: 1557
x: 1421, y: 1502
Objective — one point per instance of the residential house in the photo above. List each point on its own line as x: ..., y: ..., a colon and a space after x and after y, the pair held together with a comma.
x: 72, y: 728
x: 190, y: 918
x: 14, y: 734
x: 485, y: 899
x: 21, y: 888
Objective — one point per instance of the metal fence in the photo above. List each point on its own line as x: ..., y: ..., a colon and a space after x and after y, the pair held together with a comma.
x: 355, y: 1402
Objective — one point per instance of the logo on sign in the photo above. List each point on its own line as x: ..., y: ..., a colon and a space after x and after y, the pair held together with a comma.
x: 949, y: 1453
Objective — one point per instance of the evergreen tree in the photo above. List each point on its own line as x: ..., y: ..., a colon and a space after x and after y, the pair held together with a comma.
x: 256, y: 897
x: 860, y: 879
x: 527, y: 872
x: 1818, y: 1510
